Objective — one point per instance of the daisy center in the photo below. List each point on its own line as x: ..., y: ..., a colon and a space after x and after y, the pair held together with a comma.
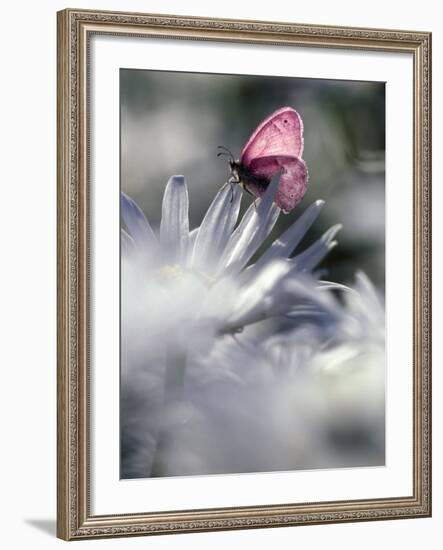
x: 170, y: 274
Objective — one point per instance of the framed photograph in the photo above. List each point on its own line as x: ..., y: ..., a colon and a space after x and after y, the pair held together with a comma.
x: 244, y: 316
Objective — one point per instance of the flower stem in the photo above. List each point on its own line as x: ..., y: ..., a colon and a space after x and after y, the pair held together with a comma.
x: 173, y: 395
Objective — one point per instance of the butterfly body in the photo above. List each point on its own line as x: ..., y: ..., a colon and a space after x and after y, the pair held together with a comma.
x: 274, y: 147
x: 242, y: 175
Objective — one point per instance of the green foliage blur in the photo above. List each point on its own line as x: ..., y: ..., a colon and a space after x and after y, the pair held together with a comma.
x: 172, y: 123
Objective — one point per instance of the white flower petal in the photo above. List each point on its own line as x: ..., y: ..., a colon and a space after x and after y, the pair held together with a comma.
x: 137, y: 224
x: 191, y: 243
x: 307, y: 288
x: 219, y: 302
x: 312, y: 256
x: 174, y: 226
x: 366, y: 289
x: 127, y: 243
x: 289, y: 240
x: 216, y: 227
x: 366, y: 305
x: 248, y: 236
x: 256, y: 300
x: 330, y: 285
x: 242, y: 228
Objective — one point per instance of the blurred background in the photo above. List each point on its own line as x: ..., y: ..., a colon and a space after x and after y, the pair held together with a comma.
x: 172, y: 123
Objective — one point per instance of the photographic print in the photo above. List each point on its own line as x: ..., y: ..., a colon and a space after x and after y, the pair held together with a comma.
x: 252, y: 274
x: 244, y: 288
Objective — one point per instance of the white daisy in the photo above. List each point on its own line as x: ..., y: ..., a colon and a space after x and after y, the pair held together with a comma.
x: 200, y: 277
x: 185, y: 290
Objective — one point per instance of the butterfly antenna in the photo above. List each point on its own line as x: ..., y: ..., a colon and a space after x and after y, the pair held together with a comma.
x: 225, y: 151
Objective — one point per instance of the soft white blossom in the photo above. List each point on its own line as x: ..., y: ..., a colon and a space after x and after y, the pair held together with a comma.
x: 229, y: 366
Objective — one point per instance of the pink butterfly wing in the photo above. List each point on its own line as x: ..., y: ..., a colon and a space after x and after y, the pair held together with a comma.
x: 279, y: 134
x: 293, y: 181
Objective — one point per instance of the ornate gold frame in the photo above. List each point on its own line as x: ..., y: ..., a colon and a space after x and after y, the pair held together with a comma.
x: 74, y: 520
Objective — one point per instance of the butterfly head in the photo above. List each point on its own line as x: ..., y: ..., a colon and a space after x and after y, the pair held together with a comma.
x: 234, y: 165
x: 235, y: 171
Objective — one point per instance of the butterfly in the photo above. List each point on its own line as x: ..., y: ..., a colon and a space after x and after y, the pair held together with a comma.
x: 276, y: 145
